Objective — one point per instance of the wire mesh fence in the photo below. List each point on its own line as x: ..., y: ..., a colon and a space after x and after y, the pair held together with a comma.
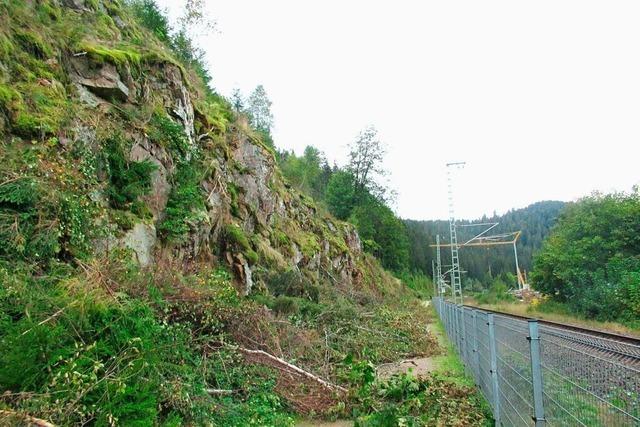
x: 538, y: 374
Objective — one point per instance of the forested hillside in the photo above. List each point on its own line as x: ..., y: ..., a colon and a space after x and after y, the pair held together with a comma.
x: 357, y: 193
x: 403, y: 245
x: 482, y: 264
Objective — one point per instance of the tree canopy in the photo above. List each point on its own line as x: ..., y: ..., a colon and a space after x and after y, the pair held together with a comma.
x: 354, y: 193
x: 259, y: 109
x: 591, y: 260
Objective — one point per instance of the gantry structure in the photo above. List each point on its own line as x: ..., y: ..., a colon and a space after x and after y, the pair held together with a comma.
x: 482, y: 239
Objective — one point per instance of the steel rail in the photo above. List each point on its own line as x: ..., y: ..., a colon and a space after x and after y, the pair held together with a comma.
x: 627, y: 339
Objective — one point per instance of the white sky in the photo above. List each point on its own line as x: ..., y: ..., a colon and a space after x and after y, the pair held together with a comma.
x: 541, y: 99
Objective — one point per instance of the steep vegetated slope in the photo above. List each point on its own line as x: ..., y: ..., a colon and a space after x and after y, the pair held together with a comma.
x: 150, y: 248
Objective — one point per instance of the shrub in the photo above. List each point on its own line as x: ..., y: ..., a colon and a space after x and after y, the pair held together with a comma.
x: 590, y: 261
x: 496, y: 293
x: 75, y: 225
x: 293, y: 284
x: 167, y: 133
x: 406, y: 400
x: 104, y: 363
x: 128, y: 179
x: 185, y: 207
x: 150, y: 16
x: 19, y: 193
x: 25, y: 233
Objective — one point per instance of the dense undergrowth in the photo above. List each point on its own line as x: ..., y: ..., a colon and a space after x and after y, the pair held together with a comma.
x: 88, y: 336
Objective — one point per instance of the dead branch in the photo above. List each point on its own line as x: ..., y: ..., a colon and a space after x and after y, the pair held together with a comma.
x: 53, y: 316
x: 294, y: 369
x: 28, y: 418
x: 219, y: 392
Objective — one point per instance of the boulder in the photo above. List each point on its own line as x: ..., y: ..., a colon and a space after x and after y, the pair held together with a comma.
x: 141, y: 239
x: 74, y: 4
x: 157, y: 198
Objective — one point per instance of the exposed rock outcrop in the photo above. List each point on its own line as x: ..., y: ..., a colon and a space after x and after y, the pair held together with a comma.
x: 104, y: 81
x: 274, y: 227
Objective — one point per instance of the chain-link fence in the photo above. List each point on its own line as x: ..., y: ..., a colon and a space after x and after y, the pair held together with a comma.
x: 538, y: 374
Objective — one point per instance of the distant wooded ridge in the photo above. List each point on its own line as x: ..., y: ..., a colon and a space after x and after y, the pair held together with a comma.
x: 482, y: 264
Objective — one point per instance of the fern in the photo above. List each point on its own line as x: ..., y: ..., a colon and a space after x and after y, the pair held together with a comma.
x: 128, y: 179
x: 20, y: 193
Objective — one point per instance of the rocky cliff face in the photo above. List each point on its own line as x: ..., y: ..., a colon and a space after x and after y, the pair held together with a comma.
x: 214, y: 192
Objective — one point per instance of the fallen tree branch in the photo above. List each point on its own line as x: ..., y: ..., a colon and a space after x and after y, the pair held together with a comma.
x: 294, y: 369
x: 28, y: 418
x: 53, y: 316
x: 219, y: 392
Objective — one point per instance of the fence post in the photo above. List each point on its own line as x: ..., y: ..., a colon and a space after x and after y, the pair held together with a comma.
x: 445, y: 312
x: 536, y: 373
x: 450, y: 318
x: 494, y: 369
x: 445, y: 319
x: 454, y: 329
x: 476, y: 355
x: 463, y: 339
x: 456, y: 317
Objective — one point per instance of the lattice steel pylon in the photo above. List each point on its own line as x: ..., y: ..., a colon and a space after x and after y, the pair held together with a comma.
x: 456, y: 282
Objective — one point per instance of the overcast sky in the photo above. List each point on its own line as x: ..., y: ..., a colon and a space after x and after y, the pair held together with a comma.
x: 541, y: 99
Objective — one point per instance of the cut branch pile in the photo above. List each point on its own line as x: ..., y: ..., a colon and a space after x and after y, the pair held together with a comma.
x: 307, y: 392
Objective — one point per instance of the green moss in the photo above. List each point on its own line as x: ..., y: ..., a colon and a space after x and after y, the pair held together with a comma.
x: 40, y: 112
x: 33, y: 43
x: 6, y: 47
x: 235, y: 236
x: 30, y: 126
x: 38, y: 67
x: 280, y: 238
x: 8, y: 94
x: 252, y: 256
x: 233, y: 191
x: 117, y: 57
x: 105, y: 27
x: 92, y: 4
x: 49, y: 10
x: 308, y: 243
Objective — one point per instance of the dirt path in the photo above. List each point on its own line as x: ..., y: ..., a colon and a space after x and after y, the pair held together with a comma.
x: 418, y: 366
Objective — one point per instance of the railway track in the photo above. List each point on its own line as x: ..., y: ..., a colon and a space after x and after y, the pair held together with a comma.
x: 588, y: 377
x: 623, y: 349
